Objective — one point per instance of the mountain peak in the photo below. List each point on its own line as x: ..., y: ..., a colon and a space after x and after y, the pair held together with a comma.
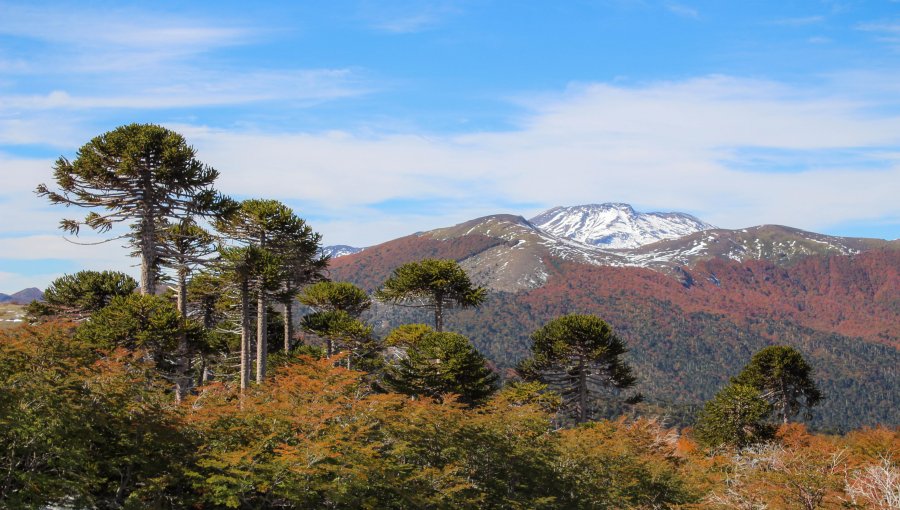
x: 616, y: 225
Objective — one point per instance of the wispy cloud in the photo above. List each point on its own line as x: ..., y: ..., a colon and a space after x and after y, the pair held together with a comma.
x: 408, y: 17
x: 799, y: 21
x: 302, y: 86
x: 116, y: 27
x: 682, y: 10
x: 884, y: 27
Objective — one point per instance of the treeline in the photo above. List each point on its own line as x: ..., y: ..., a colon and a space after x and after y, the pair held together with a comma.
x: 89, y: 428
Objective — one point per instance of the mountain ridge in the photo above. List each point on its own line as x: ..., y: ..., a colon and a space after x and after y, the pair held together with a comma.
x: 616, y: 225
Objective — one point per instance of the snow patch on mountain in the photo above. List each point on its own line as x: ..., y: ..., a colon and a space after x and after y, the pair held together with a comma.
x: 339, y: 250
x: 616, y: 226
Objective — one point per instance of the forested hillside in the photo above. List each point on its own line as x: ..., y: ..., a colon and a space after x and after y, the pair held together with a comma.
x: 690, y: 330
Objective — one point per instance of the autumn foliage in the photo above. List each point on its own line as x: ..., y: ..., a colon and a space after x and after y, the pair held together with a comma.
x: 96, y: 428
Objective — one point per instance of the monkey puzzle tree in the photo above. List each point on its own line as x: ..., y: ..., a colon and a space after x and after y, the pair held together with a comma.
x: 431, y: 283
x: 240, y: 266
x: 337, y: 306
x: 736, y: 416
x: 186, y: 246
x: 140, y: 173
x: 302, y: 265
x: 580, y: 357
x: 783, y: 378
x: 272, y: 227
x: 441, y: 363
x: 78, y: 295
x: 336, y: 296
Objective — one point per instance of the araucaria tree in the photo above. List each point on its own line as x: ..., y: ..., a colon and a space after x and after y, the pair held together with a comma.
x: 285, y: 245
x: 579, y: 357
x: 142, y: 174
x: 736, y: 416
x: 337, y: 307
x: 441, y: 363
x: 431, y: 283
x: 783, y: 378
x: 78, y: 295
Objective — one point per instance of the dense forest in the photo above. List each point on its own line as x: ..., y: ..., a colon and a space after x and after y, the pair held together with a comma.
x: 238, y: 373
x: 686, y: 341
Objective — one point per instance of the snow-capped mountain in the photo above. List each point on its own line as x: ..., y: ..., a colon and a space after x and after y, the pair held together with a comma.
x: 339, y: 250
x: 616, y: 226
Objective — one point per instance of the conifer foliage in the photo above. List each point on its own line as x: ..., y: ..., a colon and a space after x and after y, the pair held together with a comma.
x: 78, y: 295
x: 441, y: 363
x: 783, y: 378
x: 143, y: 174
x: 431, y: 283
x: 581, y: 358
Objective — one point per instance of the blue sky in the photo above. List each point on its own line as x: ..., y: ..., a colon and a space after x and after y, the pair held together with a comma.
x: 378, y: 119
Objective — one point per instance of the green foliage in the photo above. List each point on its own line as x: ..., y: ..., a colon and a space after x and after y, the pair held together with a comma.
x: 441, y: 363
x: 81, y: 294
x: 736, y: 416
x: 783, y: 378
x: 581, y: 358
x: 336, y: 296
x: 148, y: 323
x: 140, y: 173
x: 344, y: 332
x: 431, y: 283
x: 407, y: 335
x: 83, y: 428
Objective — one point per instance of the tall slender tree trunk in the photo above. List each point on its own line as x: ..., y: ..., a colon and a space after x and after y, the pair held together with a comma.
x: 288, y: 326
x: 261, y: 338
x: 582, y: 392
x: 148, y: 256
x: 439, y: 314
x: 148, y: 237
x: 245, y: 334
x: 182, y: 381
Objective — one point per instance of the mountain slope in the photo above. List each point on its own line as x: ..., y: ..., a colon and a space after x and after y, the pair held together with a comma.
x: 692, y: 310
x: 23, y: 297
x: 616, y: 226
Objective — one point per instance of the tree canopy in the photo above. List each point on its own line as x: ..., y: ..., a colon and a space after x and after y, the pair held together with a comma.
x: 431, y: 283
x: 579, y: 356
x: 143, y: 174
x: 440, y: 363
x: 736, y: 417
x: 78, y: 295
x: 783, y: 378
x: 336, y: 296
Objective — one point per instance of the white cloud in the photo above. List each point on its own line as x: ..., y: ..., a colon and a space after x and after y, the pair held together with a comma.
x: 665, y: 145
x: 297, y: 87
x: 407, y: 16
x: 683, y: 10
x: 800, y: 21
x: 85, y: 26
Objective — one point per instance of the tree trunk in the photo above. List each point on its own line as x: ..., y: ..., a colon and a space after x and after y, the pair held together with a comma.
x: 288, y: 326
x: 582, y: 392
x: 245, y: 334
x: 148, y: 257
x: 439, y: 314
x: 182, y: 381
x: 261, y: 339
